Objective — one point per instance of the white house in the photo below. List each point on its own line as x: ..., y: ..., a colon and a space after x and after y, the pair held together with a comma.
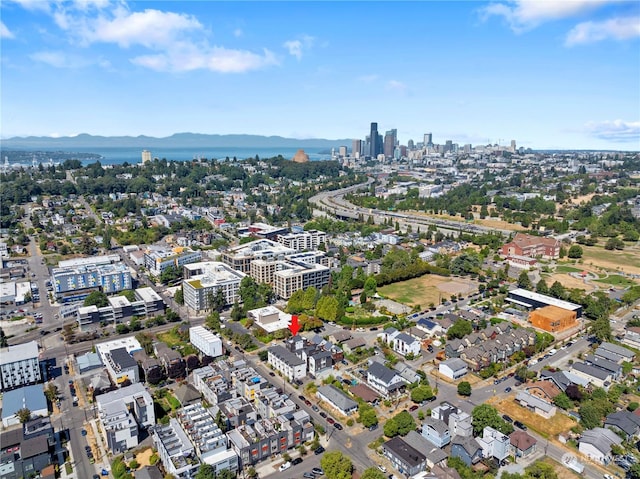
x: 453, y: 368
x: 404, y: 344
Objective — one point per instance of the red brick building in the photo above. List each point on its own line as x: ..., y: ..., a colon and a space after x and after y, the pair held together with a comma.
x: 532, y: 246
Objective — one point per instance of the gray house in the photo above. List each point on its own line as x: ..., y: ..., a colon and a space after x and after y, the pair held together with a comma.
x: 337, y: 399
x: 467, y: 449
x: 404, y: 458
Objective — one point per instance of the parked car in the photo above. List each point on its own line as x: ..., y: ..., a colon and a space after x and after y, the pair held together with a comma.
x: 382, y: 468
x: 338, y: 426
x: 507, y: 389
x: 323, y: 414
x: 507, y: 418
x: 284, y: 466
x: 519, y: 425
x: 317, y: 470
x: 308, y: 475
x: 374, y: 427
x: 296, y: 461
x: 319, y: 450
x: 413, y: 408
x: 330, y: 420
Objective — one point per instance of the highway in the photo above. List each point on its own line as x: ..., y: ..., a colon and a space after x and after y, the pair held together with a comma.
x: 333, y: 202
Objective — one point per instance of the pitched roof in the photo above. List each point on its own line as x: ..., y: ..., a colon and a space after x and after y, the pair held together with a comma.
x: 617, y: 350
x: 548, y: 387
x: 592, y: 371
x: 186, y: 394
x: 407, y: 454
x: 436, y: 424
x: 420, y: 443
x: 534, y: 401
x: 455, y: 364
x: 364, y: 392
x: 337, y: 397
x: 404, y: 337
x: 381, y: 372
x: 469, y: 444
x: 521, y: 440
x: 601, y: 438
x: 625, y: 421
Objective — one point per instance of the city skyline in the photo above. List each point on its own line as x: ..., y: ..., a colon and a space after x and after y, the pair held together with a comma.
x: 551, y: 75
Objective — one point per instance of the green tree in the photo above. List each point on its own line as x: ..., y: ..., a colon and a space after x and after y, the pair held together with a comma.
x: 563, y: 401
x: 540, y: 470
x: 634, y: 471
x: 421, y: 393
x: 206, y: 471
x: 213, y: 321
x: 51, y: 391
x: 3, y: 339
x: 367, y: 415
x: 328, y: 308
x: 179, y: 296
x: 400, y: 424
x: 24, y: 414
x: 590, y: 416
x: 459, y: 329
x: 575, y: 252
x: 523, y: 280
x: 372, y: 473
x: 486, y: 415
x: 129, y: 294
x: 336, y: 465
x: 464, y: 388
x: 542, y: 287
x: 557, y: 290
x: 96, y: 298
x: 236, y: 311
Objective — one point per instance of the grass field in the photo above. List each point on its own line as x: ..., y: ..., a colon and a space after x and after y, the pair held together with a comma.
x: 548, y: 428
x: 627, y: 260
x: 567, y: 269
x: 171, y: 339
x: 422, y: 291
x: 617, y: 280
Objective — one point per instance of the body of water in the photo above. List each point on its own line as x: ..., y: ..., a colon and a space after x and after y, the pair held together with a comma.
x: 119, y: 155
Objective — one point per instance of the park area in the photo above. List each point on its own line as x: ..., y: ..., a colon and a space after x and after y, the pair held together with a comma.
x: 427, y: 289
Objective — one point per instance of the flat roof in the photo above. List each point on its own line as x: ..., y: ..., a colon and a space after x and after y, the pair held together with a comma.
x: 545, y: 299
x: 19, y: 352
x: 147, y: 294
x: 31, y: 397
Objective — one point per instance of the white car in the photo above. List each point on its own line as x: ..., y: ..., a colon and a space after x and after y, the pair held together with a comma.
x: 284, y: 466
x: 382, y: 468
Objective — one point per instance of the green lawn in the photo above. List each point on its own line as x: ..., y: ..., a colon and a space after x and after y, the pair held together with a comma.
x: 567, y: 269
x: 617, y: 280
x: 171, y: 339
x: 421, y: 291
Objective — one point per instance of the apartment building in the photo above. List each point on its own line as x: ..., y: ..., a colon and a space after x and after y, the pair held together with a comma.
x: 147, y: 303
x: 295, y: 276
x: 205, y: 341
x: 307, y: 240
x: 157, y: 259
x: 240, y: 257
x: 75, y: 282
x: 211, y: 277
x: 19, y: 366
x: 290, y: 365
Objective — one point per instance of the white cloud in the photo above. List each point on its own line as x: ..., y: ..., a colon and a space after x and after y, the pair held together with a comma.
x: 523, y: 15
x: 621, y: 28
x: 617, y: 130
x: 216, y: 59
x: 396, y: 85
x: 60, y: 59
x: 298, y: 46
x: 238, y: 32
x: 4, y: 31
x: 368, y: 78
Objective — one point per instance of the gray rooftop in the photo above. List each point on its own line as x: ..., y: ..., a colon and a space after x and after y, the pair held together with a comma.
x: 19, y: 352
x: 285, y: 355
x: 337, y: 397
x: 31, y: 397
x: 592, y: 371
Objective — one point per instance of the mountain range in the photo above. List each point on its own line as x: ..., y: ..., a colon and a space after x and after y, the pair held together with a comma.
x: 177, y: 140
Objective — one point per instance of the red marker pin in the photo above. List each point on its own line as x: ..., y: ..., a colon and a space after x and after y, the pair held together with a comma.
x: 294, y: 327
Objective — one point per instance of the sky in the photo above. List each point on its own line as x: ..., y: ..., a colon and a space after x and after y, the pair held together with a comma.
x: 548, y: 74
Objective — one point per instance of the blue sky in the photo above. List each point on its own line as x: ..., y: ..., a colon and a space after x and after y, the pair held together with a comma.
x: 549, y: 74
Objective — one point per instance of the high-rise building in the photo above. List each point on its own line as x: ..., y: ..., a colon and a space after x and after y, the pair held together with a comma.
x: 448, y: 146
x: 390, y: 139
x: 428, y: 140
x: 146, y: 156
x: 342, y: 151
x: 356, y: 147
x: 374, y: 141
x: 410, y: 145
x: 513, y: 145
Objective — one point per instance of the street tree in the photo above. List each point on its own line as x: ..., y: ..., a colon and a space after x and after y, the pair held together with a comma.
x: 486, y: 415
x: 464, y: 388
x: 523, y: 280
x: 336, y: 465
x: 372, y: 473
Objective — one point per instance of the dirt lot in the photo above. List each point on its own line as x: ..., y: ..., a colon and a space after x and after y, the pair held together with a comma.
x: 568, y: 281
x: 144, y: 457
x: 549, y: 428
x: 582, y: 199
x: 627, y: 260
x: 561, y: 471
x: 495, y: 223
x: 427, y: 289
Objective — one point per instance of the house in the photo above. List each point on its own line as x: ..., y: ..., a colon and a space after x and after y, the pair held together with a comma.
x: 453, y: 368
x: 407, y: 373
x: 384, y: 380
x: 337, y: 399
x: 522, y: 444
x: 615, y: 353
x: 632, y: 337
x: 435, y: 455
x: 405, y: 345
x: 404, y: 457
x: 430, y: 327
x: 625, y: 422
x: 319, y: 361
x: 535, y: 404
x: 494, y: 444
x: 340, y: 336
x: 365, y: 393
x: 545, y: 390
x: 607, y: 365
x: 596, y: 444
x: 436, y: 432
x: 596, y: 376
x: 352, y: 344
x: 459, y: 422
x: 467, y: 449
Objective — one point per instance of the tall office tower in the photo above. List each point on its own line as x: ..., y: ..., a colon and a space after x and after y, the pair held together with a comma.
x: 146, y: 156
x: 342, y: 151
x: 513, y: 145
x: 448, y: 146
x: 428, y: 140
x: 467, y: 148
x: 410, y: 144
x: 390, y: 138
x: 374, y: 141
x: 356, y: 146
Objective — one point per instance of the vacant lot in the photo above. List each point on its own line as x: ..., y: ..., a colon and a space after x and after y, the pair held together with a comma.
x: 546, y: 427
x: 569, y: 281
x: 427, y: 289
x: 617, y: 280
x: 561, y: 471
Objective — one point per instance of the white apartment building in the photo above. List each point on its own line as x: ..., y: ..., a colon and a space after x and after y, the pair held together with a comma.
x: 117, y: 356
x: 287, y: 363
x: 212, y: 276
x: 240, y: 257
x: 308, y: 240
x: 19, y: 366
x: 159, y: 259
x: 205, y: 341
